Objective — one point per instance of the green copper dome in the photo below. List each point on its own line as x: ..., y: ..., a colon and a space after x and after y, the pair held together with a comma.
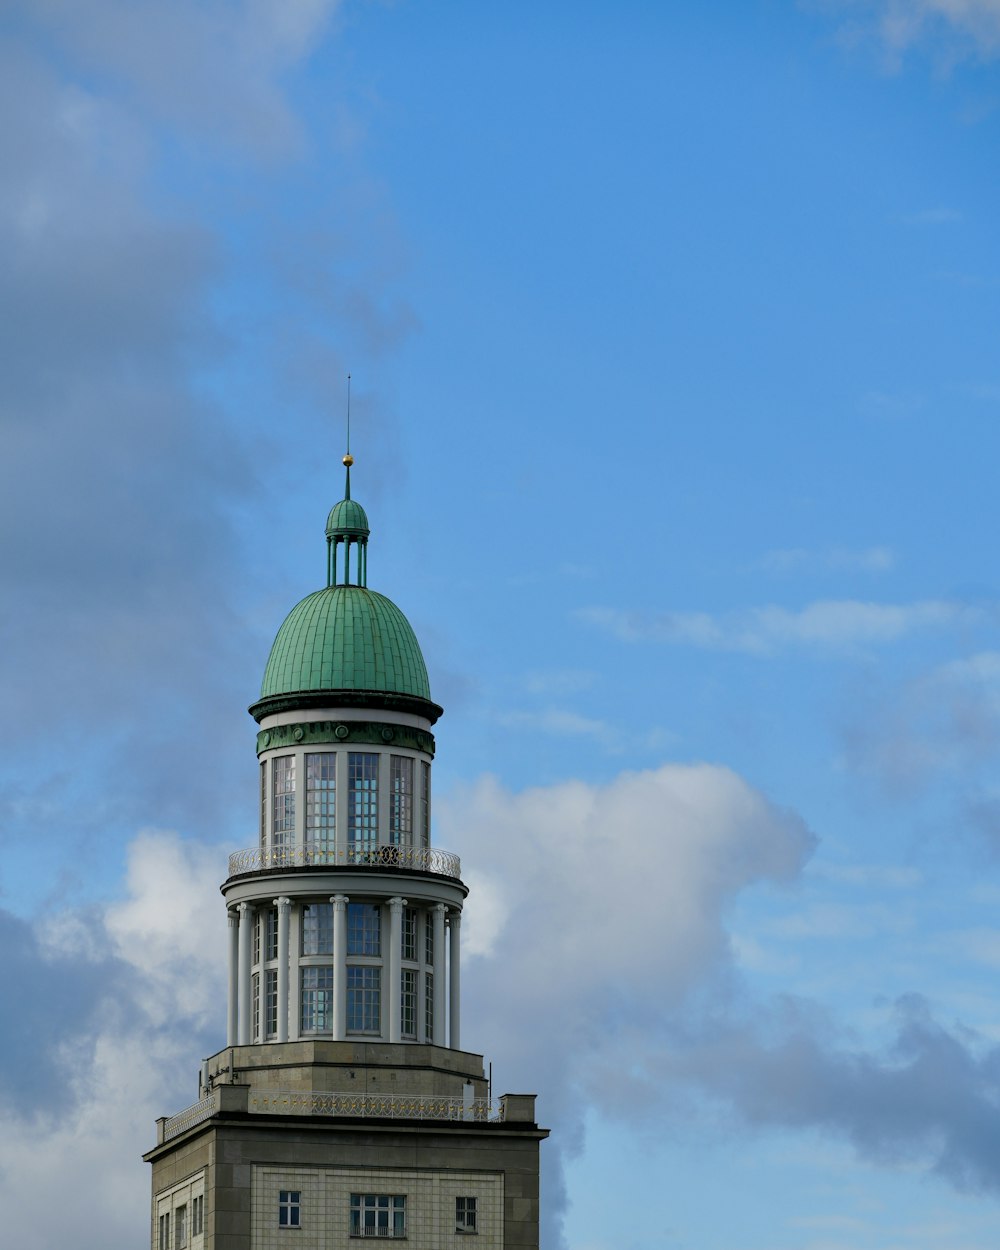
x: 348, y: 517
x: 346, y: 638
x: 346, y: 646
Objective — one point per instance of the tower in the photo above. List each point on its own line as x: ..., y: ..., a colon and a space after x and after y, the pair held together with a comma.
x: 342, y: 1106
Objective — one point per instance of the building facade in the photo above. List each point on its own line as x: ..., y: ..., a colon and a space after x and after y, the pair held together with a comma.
x: 342, y: 1106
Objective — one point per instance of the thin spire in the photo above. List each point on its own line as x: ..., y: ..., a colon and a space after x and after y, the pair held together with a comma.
x: 348, y: 459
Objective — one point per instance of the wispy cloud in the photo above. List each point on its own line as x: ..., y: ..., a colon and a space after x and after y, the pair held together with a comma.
x: 939, y: 726
x: 932, y: 217
x: 891, y: 405
x: 835, y: 624
x: 948, y: 29
x: 559, y: 721
x: 861, y: 559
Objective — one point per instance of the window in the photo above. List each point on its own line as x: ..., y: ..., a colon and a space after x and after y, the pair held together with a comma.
x: 364, y: 929
x: 283, y: 799
x: 271, y: 1001
x: 181, y: 1227
x: 465, y: 1215
x: 165, y: 1231
x: 289, y: 1208
x: 255, y: 995
x: 317, y: 929
x: 317, y: 1000
x: 362, y: 800
x: 198, y: 1215
x: 425, y: 803
x: 408, y: 1003
x: 429, y: 1006
x: 263, y: 803
x: 429, y: 939
x: 378, y: 1215
x: 401, y: 801
x: 266, y: 928
x: 364, y: 1014
x: 409, y: 940
x: 321, y: 796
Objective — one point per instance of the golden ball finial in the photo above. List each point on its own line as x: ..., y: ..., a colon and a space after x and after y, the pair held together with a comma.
x: 348, y: 460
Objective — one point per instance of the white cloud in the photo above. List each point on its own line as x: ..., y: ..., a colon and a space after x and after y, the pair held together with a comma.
x: 211, y: 68
x: 156, y: 1008
x: 824, y: 625
x: 600, y: 896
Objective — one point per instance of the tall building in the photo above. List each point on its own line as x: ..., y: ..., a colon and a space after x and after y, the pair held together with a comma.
x: 342, y: 1105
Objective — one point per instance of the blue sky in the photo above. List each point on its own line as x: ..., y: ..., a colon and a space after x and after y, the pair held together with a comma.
x: 673, y: 332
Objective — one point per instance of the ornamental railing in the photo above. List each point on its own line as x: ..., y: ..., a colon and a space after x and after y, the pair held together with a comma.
x: 375, y: 1106
x: 409, y: 858
x: 184, y: 1120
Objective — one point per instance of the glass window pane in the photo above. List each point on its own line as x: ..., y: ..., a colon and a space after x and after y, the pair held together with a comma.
x: 364, y: 929
x: 321, y: 800
x: 283, y: 800
x: 362, y: 801
x: 317, y: 929
x: 401, y: 800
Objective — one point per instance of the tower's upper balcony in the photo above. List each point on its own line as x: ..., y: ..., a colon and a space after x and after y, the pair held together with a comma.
x: 312, y: 855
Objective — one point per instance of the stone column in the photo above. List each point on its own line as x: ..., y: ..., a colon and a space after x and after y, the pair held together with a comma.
x: 233, y: 1018
x: 295, y: 972
x: 247, y: 918
x: 393, y: 966
x: 284, y: 906
x: 339, y: 902
x: 454, y: 984
x: 440, y: 1031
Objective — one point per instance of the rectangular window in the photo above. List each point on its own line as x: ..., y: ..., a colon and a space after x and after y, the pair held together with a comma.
x: 465, y: 1215
x: 181, y: 1227
x: 401, y: 800
x: 255, y: 995
x: 409, y: 941
x: 263, y: 803
x: 165, y: 1231
x: 256, y: 939
x: 198, y: 1215
x: 408, y: 1000
x: 364, y: 1007
x: 364, y: 929
x: 289, y: 1208
x: 378, y: 1215
x: 362, y: 801
x: 428, y: 939
x: 271, y: 1001
x: 317, y: 1000
x: 321, y: 800
x: 425, y: 803
x: 317, y: 929
x: 429, y: 1006
x: 283, y: 800
x: 266, y: 928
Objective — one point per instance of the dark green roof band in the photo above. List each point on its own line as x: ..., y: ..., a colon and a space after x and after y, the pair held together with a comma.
x: 369, y: 699
x: 313, y: 733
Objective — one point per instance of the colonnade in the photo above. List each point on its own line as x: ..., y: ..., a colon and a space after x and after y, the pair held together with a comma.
x: 240, y: 1021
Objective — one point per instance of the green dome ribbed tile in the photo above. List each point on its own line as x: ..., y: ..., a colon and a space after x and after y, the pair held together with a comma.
x: 346, y: 638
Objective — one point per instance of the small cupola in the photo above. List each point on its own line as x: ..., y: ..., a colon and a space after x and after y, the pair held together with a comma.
x: 347, y: 524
